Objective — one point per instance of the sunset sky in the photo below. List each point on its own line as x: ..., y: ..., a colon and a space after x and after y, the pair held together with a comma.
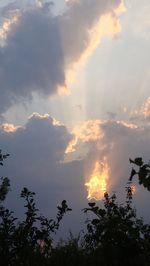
x: 74, y: 98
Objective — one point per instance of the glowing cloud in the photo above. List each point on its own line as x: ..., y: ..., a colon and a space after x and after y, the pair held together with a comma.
x: 97, y: 184
x: 9, y: 128
x: 6, y: 26
x: 107, y: 24
x: 93, y: 131
x: 41, y: 50
x: 87, y: 131
x: 143, y: 112
x: 146, y: 109
x: 127, y: 124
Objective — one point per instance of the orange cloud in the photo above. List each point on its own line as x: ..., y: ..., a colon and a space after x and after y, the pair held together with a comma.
x: 145, y: 110
x: 107, y: 25
x: 87, y: 131
x: 7, y: 24
x: 9, y: 128
x: 127, y: 124
x: 91, y: 131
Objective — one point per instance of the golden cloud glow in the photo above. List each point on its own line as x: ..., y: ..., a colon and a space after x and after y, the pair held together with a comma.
x: 91, y: 130
x: 146, y: 108
x: 127, y: 124
x: 6, y: 26
x: 108, y: 25
x: 120, y: 9
x: 63, y: 90
x: 35, y: 114
x: 134, y: 189
x: 56, y: 122
x: 9, y: 128
x: 97, y: 184
x: 87, y: 131
x: 143, y: 111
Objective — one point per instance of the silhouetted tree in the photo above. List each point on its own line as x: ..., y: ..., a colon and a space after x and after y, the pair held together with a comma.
x: 114, y: 236
x: 28, y: 242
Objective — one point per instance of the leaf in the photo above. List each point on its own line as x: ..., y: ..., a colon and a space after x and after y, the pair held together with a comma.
x: 95, y: 221
x: 131, y: 161
x: 138, y: 161
x: 63, y: 202
x: 69, y: 209
x: 102, y: 212
x: 133, y: 172
x: 91, y: 204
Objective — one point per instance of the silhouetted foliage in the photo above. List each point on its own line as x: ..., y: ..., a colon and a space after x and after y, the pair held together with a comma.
x: 4, y: 186
x: 28, y: 242
x: 114, y: 235
x: 143, y: 172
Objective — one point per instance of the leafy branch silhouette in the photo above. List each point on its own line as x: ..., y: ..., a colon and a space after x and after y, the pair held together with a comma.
x: 114, y: 234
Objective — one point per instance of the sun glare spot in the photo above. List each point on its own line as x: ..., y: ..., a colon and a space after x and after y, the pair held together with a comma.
x: 134, y: 189
x: 97, y: 184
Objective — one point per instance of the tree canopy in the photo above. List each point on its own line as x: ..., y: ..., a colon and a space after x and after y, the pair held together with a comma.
x: 114, y: 235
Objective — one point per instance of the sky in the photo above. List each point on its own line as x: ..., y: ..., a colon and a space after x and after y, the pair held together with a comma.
x: 74, y: 100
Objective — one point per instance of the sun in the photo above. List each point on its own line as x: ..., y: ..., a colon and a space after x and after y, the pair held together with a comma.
x: 97, y: 184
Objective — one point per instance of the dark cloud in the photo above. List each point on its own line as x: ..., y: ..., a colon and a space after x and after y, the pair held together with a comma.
x: 79, y: 19
x: 32, y: 58
x: 41, y: 141
x: 39, y: 47
x: 36, y: 161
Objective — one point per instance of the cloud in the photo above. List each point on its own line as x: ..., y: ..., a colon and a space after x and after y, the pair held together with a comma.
x: 32, y: 58
x: 92, y: 131
x: 142, y: 114
x: 113, y: 142
x: 38, y: 49
x: 89, y: 21
x: 145, y: 110
x: 37, y: 153
x: 50, y: 139
x: 84, y: 133
x: 84, y: 18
